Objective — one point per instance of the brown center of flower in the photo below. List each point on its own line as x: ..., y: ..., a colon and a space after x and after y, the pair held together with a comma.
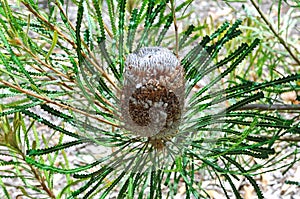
x: 152, y: 97
x: 153, y: 103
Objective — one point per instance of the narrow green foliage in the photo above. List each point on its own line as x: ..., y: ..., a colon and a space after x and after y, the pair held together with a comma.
x: 105, y: 54
x: 133, y: 24
x: 293, y: 183
x: 96, y: 4
x: 33, y: 152
x: 235, y: 191
x: 251, y: 180
x: 49, y: 124
x: 164, y: 31
x: 186, y: 35
x: 245, y: 101
x: 115, y: 182
x: 68, y: 77
x: 150, y: 16
x: 121, y: 10
x: 78, y: 25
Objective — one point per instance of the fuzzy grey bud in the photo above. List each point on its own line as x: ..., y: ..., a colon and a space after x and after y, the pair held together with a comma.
x: 152, y: 96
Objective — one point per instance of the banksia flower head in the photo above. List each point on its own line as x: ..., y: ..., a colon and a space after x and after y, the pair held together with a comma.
x: 152, y: 96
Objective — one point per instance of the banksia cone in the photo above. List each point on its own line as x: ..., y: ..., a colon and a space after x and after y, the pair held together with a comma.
x: 152, y: 97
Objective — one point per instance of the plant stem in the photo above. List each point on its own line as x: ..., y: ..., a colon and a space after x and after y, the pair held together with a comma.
x: 289, y: 139
x: 266, y: 107
x: 41, y: 179
x: 175, y: 27
x: 281, y: 40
